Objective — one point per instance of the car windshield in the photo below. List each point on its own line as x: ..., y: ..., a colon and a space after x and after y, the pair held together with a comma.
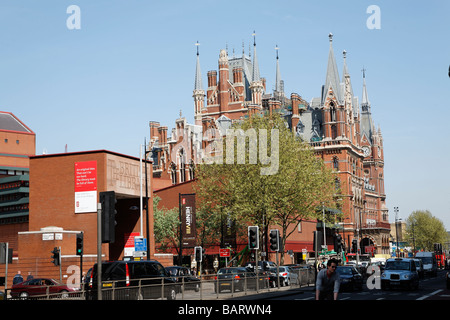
x: 397, y: 265
x: 343, y: 270
x: 426, y: 260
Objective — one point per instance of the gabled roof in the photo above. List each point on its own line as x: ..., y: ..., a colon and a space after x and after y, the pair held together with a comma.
x: 9, y: 122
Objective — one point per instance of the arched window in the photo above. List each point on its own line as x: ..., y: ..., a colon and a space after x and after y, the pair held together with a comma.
x: 173, y: 173
x: 336, y: 163
x: 182, y: 166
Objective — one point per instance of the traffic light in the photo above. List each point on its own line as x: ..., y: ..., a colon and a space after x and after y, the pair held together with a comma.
x: 198, y: 254
x: 354, y: 246
x: 56, y: 256
x: 253, y: 237
x: 108, y: 201
x: 80, y: 244
x: 275, y: 240
x: 337, y: 243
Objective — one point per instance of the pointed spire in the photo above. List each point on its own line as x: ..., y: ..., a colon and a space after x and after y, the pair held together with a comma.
x: 255, y: 70
x: 365, y: 98
x: 332, y: 77
x: 198, y: 74
x: 278, y: 74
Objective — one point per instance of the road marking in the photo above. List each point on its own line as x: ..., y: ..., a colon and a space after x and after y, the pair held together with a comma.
x: 429, y: 295
x: 381, y: 298
x: 346, y: 298
x: 309, y: 298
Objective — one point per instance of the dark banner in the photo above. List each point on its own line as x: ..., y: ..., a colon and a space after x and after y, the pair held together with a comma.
x: 187, y: 218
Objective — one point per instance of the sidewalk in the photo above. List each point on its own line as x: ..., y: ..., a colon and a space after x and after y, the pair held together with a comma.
x: 275, y: 293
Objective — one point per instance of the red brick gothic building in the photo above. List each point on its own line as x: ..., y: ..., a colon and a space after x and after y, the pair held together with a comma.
x: 336, y: 124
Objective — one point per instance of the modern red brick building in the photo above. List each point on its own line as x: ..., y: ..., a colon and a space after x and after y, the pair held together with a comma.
x: 64, y: 194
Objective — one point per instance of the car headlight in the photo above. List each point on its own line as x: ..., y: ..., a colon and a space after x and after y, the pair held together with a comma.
x: 345, y: 280
x: 406, y: 276
x: 448, y: 274
x: 383, y: 275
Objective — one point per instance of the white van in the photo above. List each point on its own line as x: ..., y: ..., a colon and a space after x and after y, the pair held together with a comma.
x: 429, y: 262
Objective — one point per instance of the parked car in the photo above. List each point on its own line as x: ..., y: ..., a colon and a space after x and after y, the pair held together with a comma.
x: 237, y: 278
x: 400, y: 272
x: 41, y: 287
x: 131, y: 280
x: 183, y: 276
x: 447, y: 280
x: 351, y: 279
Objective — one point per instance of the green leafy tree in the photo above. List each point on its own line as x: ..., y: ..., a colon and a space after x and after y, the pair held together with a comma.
x: 424, y: 230
x: 166, y: 226
x: 262, y: 192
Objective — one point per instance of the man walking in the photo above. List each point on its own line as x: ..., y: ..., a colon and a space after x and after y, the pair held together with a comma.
x: 328, y: 282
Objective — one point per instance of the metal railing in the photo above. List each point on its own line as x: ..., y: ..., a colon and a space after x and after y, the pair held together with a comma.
x: 207, y: 287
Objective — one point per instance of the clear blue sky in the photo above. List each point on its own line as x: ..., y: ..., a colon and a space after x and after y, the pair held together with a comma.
x: 133, y: 62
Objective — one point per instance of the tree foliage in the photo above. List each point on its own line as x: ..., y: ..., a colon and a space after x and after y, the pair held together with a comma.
x: 241, y: 191
x: 166, y: 226
x: 425, y: 230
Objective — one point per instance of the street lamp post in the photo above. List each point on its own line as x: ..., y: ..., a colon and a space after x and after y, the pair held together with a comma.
x: 396, y: 229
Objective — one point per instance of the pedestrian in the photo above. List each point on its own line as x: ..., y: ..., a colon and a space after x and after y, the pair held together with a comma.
x: 18, y: 278
x: 30, y: 276
x: 328, y: 282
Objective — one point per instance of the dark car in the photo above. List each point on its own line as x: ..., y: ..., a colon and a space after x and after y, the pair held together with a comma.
x: 237, y: 279
x: 183, y: 277
x: 132, y: 280
x: 41, y: 287
x: 351, y: 279
x: 447, y: 280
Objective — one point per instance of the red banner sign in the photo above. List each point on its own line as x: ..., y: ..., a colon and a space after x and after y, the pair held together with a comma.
x: 224, y: 253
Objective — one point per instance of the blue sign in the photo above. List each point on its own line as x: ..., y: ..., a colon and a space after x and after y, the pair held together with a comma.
x: 140, y: 244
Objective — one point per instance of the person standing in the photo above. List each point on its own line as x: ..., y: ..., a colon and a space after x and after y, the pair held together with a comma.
x: 328, y: 282
x: 18, y: 278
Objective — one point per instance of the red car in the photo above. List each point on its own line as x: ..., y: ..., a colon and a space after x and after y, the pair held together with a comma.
x: 41, y: 287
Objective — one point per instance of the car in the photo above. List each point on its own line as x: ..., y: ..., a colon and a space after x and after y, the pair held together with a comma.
x: 447, y: 280
x: 132, y: 280
x: 400, y: 272
x: 350, y: 278
x: 41, y: 287
x: 273, y: 278
x: 288, y: 275
x: 419, y: 267
x: 262, y: 265
x: 237, y: 278
x: 182, y: 276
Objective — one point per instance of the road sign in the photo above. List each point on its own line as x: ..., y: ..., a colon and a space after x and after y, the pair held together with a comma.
x: 224, y: 253
x: 140, y: 244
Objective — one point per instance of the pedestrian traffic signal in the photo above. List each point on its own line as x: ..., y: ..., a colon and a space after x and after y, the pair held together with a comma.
x: 198, y: 254
x: 80, y: 244
x: 108, y: 202
x: 253, y: 237
x: 275, y: 240
x: 56, y: 256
